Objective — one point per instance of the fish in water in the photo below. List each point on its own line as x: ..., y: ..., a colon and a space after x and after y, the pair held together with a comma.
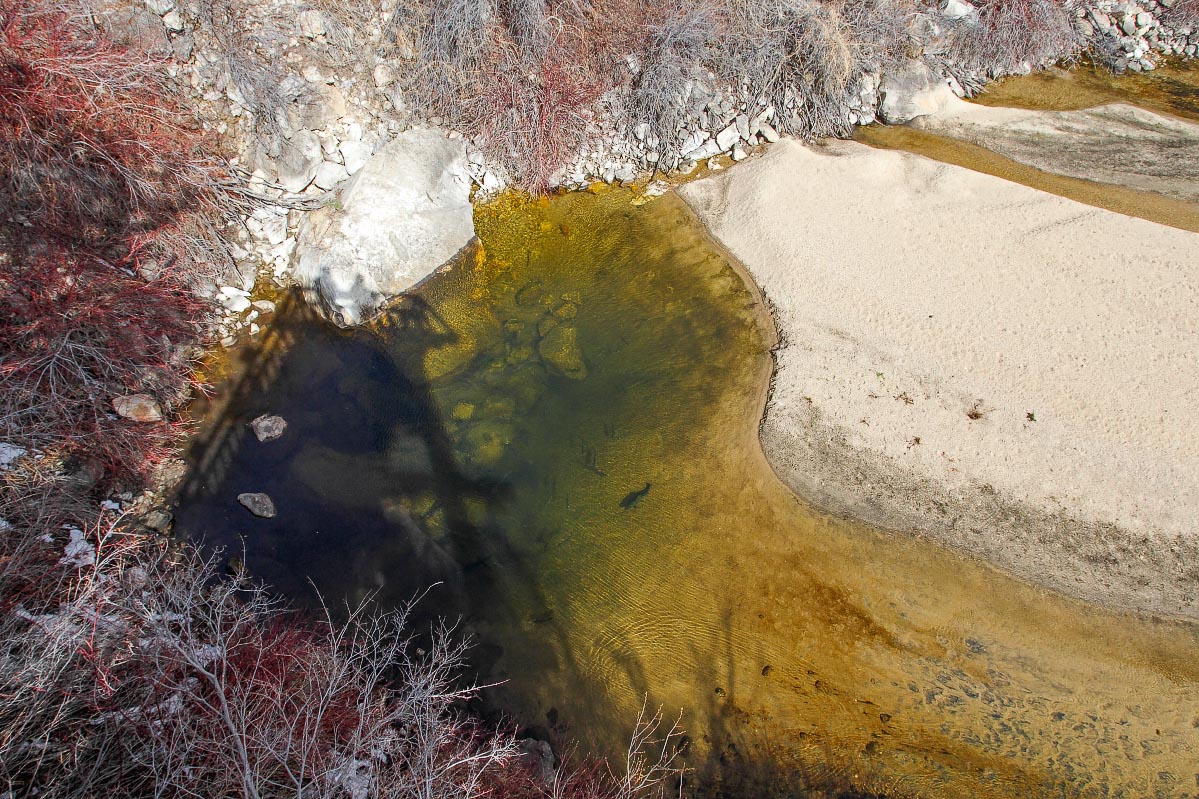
x: 633, y: 497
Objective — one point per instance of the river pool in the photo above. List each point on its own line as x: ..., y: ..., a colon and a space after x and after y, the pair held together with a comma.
x: 560, y: 432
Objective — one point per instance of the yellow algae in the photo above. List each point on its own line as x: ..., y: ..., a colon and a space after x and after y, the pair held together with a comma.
x: 619, y: 534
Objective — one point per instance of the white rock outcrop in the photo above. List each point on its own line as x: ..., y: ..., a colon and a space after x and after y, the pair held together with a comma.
x: 912, y: 90
x: 404, y: 214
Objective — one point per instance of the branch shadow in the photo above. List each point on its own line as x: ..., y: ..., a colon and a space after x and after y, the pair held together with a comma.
x: 371, y: 499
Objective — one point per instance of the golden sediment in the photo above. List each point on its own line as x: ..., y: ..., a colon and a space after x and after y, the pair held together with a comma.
x: 799, y: 646
x: 619, y: 535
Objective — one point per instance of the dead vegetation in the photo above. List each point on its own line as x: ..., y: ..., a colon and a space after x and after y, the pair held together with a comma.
x: 136, y: 669
x: 533, y: 81
x: 110, y: 197
x: 1011, y: 33
x: 1183, y: 14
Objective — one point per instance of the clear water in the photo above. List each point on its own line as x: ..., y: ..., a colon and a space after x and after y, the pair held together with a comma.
x: 562, y: 433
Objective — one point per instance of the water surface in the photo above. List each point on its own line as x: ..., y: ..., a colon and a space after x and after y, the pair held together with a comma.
x: 1171, y: 89
x: 562, y: 432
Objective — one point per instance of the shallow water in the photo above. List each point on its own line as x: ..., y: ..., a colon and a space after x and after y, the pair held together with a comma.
x: 562, y: 431
x: 1171, y: 89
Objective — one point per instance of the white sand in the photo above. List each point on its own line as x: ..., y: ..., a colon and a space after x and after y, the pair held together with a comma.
x: 911, y: 292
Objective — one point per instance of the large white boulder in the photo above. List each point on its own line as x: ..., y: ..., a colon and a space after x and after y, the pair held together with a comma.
x: 912, y: 90
x: 404, y: 214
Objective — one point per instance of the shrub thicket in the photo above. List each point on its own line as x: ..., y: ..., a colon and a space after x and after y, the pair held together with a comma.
x: 106, y: 202
x: 1011, y: 33
x: 1183, y: 14
x: 527, y: 78
x: 134, y: 670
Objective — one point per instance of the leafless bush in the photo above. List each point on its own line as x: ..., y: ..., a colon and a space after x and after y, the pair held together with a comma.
x: 679, y: 41
x: 109, y: 198
x: 1183, y: 14
x: 648, y: 769
x: 1011, y: 33
x: 517, y: 77
x: 244, y: 703
x: 530, y: 25
x: 249, y: 56
x: 61, y: 640
x: 137, y: 670
x: 150, y: 676
x: 799, y: 55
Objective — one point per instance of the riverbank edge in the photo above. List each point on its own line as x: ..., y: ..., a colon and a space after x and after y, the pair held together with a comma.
x: 1028, y: 543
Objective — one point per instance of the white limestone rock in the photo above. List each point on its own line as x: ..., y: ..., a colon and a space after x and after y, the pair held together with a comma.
x: 726, y: 138
x: 910, y: 91
x: 404, y: 214
x: 956, y: 9
x: 354, y: 154
x: 301, y: 158
x: 329, y: 175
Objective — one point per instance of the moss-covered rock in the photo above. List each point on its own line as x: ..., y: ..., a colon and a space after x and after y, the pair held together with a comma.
x: 559, y: 349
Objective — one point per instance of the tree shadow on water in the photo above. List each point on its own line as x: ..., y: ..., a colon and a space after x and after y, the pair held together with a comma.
x: 371, y: 499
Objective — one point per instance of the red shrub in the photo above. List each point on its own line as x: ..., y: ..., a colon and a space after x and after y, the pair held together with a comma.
x: 541, y: 114
x: 102, y: 186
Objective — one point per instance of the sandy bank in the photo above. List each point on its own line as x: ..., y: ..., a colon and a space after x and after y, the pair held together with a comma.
x: 1115, y: 143
x: 1011, y: 372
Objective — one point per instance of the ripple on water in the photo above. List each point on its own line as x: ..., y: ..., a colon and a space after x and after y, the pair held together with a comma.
x: 453, y: 444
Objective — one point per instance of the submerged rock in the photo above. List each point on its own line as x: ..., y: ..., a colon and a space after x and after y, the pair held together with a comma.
x: 487, y: 441
x: 268, y: 427
x: 258, y: 504
x: 404, y: 214
x: 559, y: 348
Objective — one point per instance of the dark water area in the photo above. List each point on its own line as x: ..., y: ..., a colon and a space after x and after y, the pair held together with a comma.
x: 364, y: 438
x: 560, y: 434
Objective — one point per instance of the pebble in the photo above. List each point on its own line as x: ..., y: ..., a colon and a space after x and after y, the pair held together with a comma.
x: 258, y: 504
x: 268, y: 427
x: 137, y: 408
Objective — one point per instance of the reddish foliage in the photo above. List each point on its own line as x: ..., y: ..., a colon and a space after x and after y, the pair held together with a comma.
x: 74, y: 331
x: 542, y: 113
x: 100, y: 172
x: 93, y: 146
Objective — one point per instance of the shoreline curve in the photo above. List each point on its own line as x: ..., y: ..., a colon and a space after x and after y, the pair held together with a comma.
x: 947, y: 451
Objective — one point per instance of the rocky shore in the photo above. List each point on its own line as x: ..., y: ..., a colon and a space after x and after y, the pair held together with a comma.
x: 304, y: 113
